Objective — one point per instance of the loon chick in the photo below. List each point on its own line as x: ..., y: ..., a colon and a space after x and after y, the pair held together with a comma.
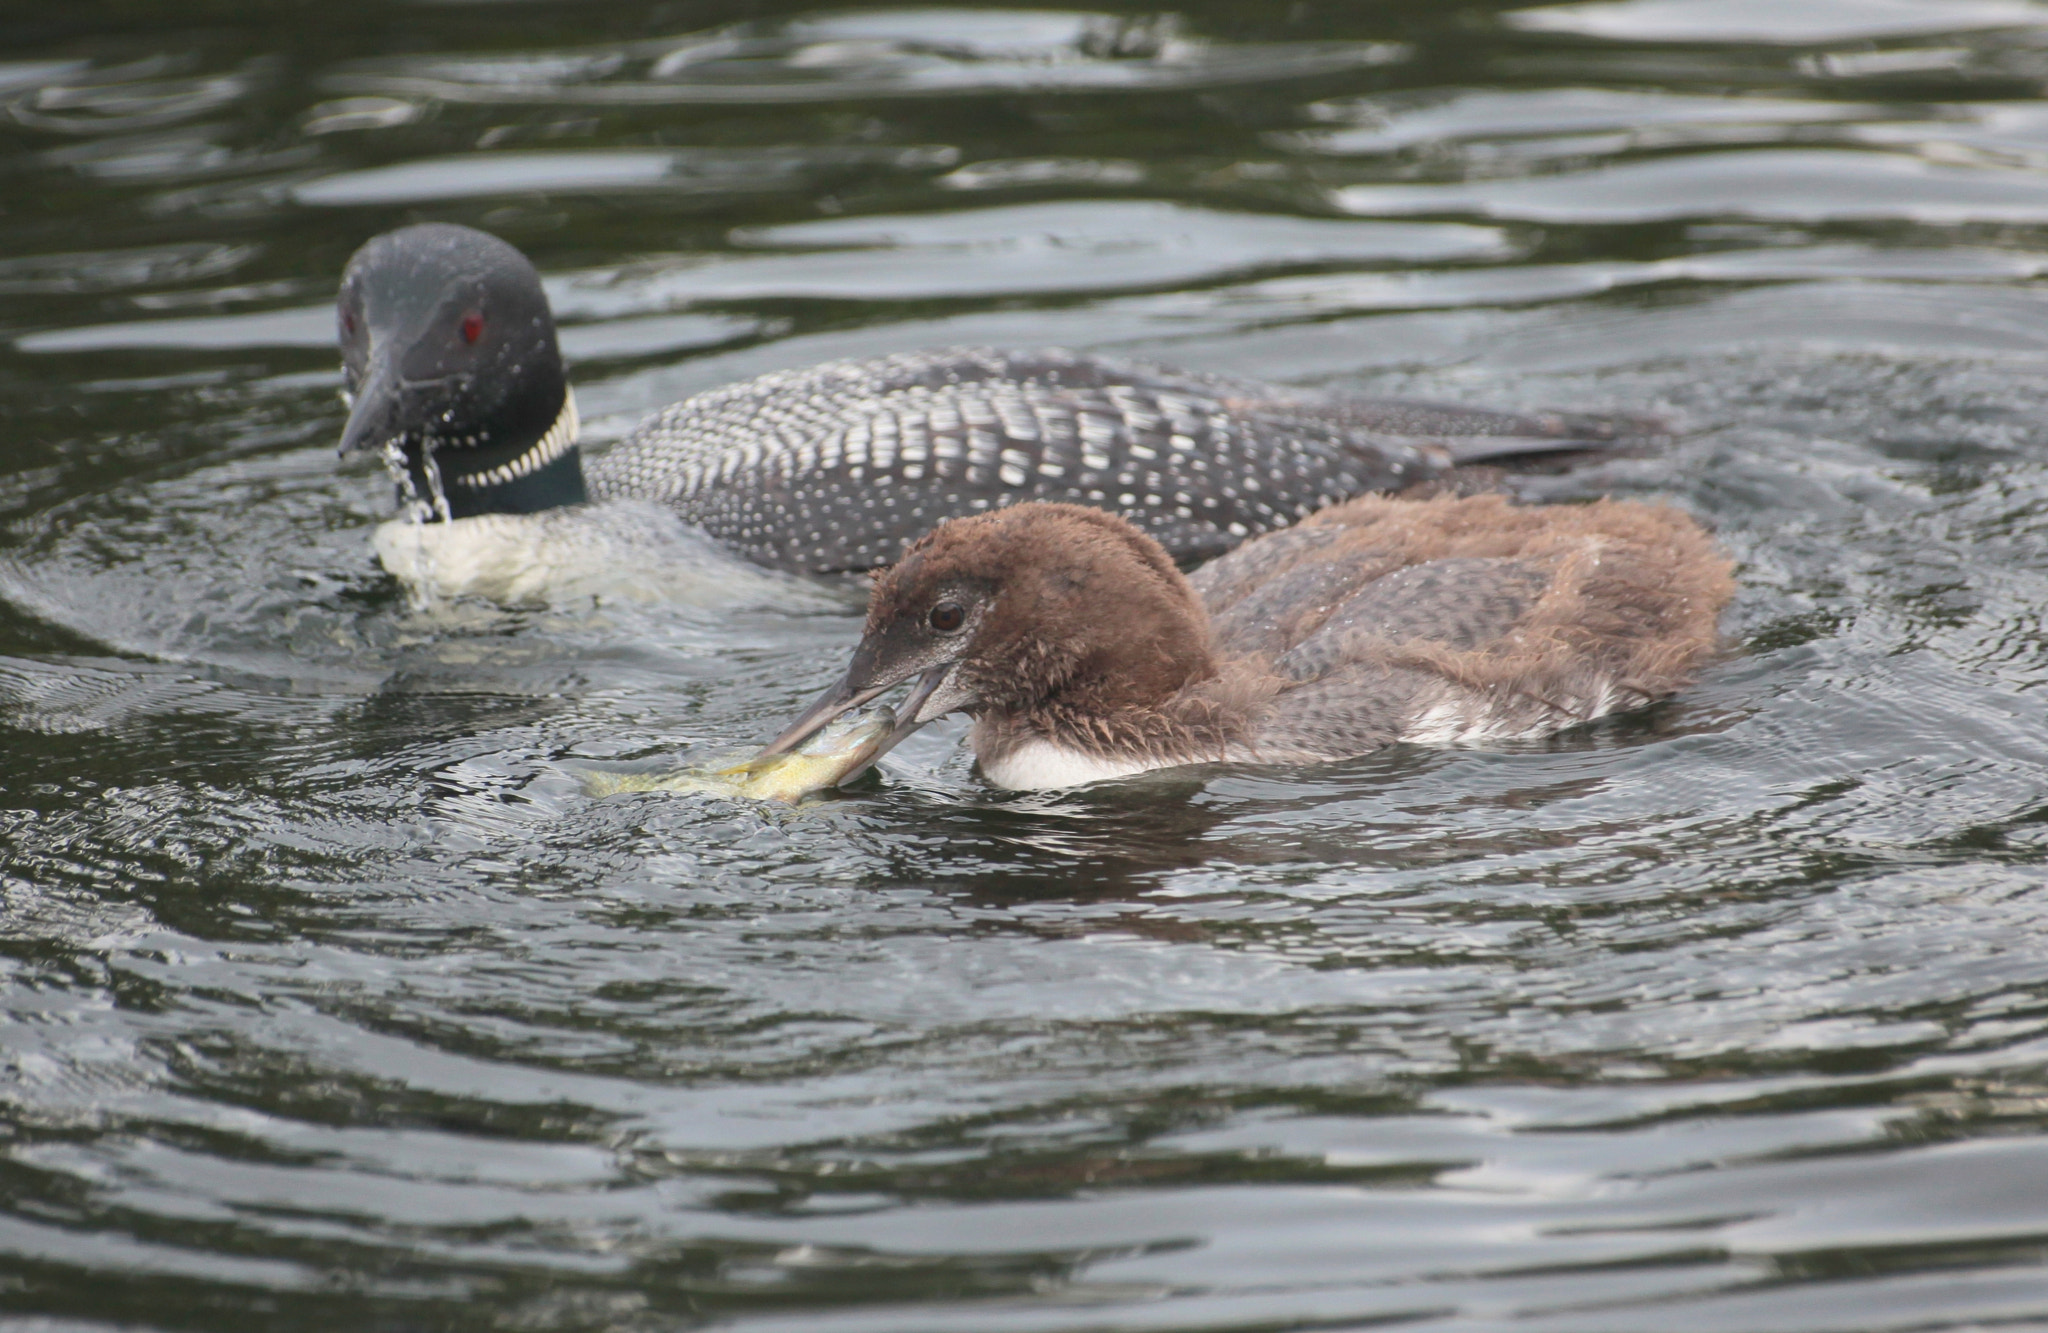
x: 1083, y: 654
x: 453, y: 372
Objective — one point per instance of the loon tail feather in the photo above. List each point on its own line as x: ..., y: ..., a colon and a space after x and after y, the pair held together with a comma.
x: 1472, y: 435
x: 1511, y: 449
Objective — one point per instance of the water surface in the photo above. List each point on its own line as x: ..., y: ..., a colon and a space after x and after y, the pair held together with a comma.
x: 329, y: 998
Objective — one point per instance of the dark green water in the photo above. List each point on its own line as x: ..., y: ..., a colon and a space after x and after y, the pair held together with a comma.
x: 329, y: 1001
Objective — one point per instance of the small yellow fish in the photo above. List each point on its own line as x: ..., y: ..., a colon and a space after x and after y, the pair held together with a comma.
x: 820, y: 762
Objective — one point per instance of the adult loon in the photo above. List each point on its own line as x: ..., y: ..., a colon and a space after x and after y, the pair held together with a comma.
x: 454, y: 374
x: 1082, y: 653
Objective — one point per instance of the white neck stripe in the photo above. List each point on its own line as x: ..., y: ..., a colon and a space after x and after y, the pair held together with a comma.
x: 561, y: 438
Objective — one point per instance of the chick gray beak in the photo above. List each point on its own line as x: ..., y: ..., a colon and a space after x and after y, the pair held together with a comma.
x: 844, y: 697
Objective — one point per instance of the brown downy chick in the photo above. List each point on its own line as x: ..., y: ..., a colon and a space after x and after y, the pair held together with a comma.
x: 1082, y: 653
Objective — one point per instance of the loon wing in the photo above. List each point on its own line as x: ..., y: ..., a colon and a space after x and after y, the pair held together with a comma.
x: 839, y: 466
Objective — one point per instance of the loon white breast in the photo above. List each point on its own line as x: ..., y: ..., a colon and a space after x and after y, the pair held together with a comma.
x: 455, y: 376
x: 1082, y: 653
x: 635, y: 549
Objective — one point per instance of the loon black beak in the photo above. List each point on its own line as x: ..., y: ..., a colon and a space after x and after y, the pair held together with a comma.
x: 845, y: 696
x: 376, y: 415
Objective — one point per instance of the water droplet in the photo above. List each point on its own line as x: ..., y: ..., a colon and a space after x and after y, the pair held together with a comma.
x: 401, y: 475
x: 437, y: 492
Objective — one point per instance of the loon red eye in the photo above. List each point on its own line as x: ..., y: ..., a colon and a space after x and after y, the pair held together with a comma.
x: 472, y: 327
x: 948, y: 617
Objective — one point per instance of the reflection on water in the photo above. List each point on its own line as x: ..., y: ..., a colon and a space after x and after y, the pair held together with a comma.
x: 329, y: 997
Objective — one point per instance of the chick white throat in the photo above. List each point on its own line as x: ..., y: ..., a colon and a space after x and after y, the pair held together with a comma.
x: 1037, y: 764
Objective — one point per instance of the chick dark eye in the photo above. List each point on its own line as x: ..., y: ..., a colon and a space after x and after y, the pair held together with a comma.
x: 947, y: 617
x: 472, y: 327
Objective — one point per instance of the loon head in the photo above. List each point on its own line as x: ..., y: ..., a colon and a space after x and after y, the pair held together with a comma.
x: 452, y: 371
x: 1035, y: 615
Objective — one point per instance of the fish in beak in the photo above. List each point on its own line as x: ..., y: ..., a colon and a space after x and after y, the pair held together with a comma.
x: 847, y: 694
x: 920, y: 630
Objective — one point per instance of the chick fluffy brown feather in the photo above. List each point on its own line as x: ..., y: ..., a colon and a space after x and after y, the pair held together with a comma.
x: 1498, y: 620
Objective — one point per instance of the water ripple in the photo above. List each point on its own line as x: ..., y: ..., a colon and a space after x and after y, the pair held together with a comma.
x: 329, y: 997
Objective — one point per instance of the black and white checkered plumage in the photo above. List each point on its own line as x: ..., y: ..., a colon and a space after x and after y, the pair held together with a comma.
x: 456, y: 378
x: 839, y: 466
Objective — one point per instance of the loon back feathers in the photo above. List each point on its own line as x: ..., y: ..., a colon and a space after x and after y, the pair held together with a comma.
x: 839, y: 466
